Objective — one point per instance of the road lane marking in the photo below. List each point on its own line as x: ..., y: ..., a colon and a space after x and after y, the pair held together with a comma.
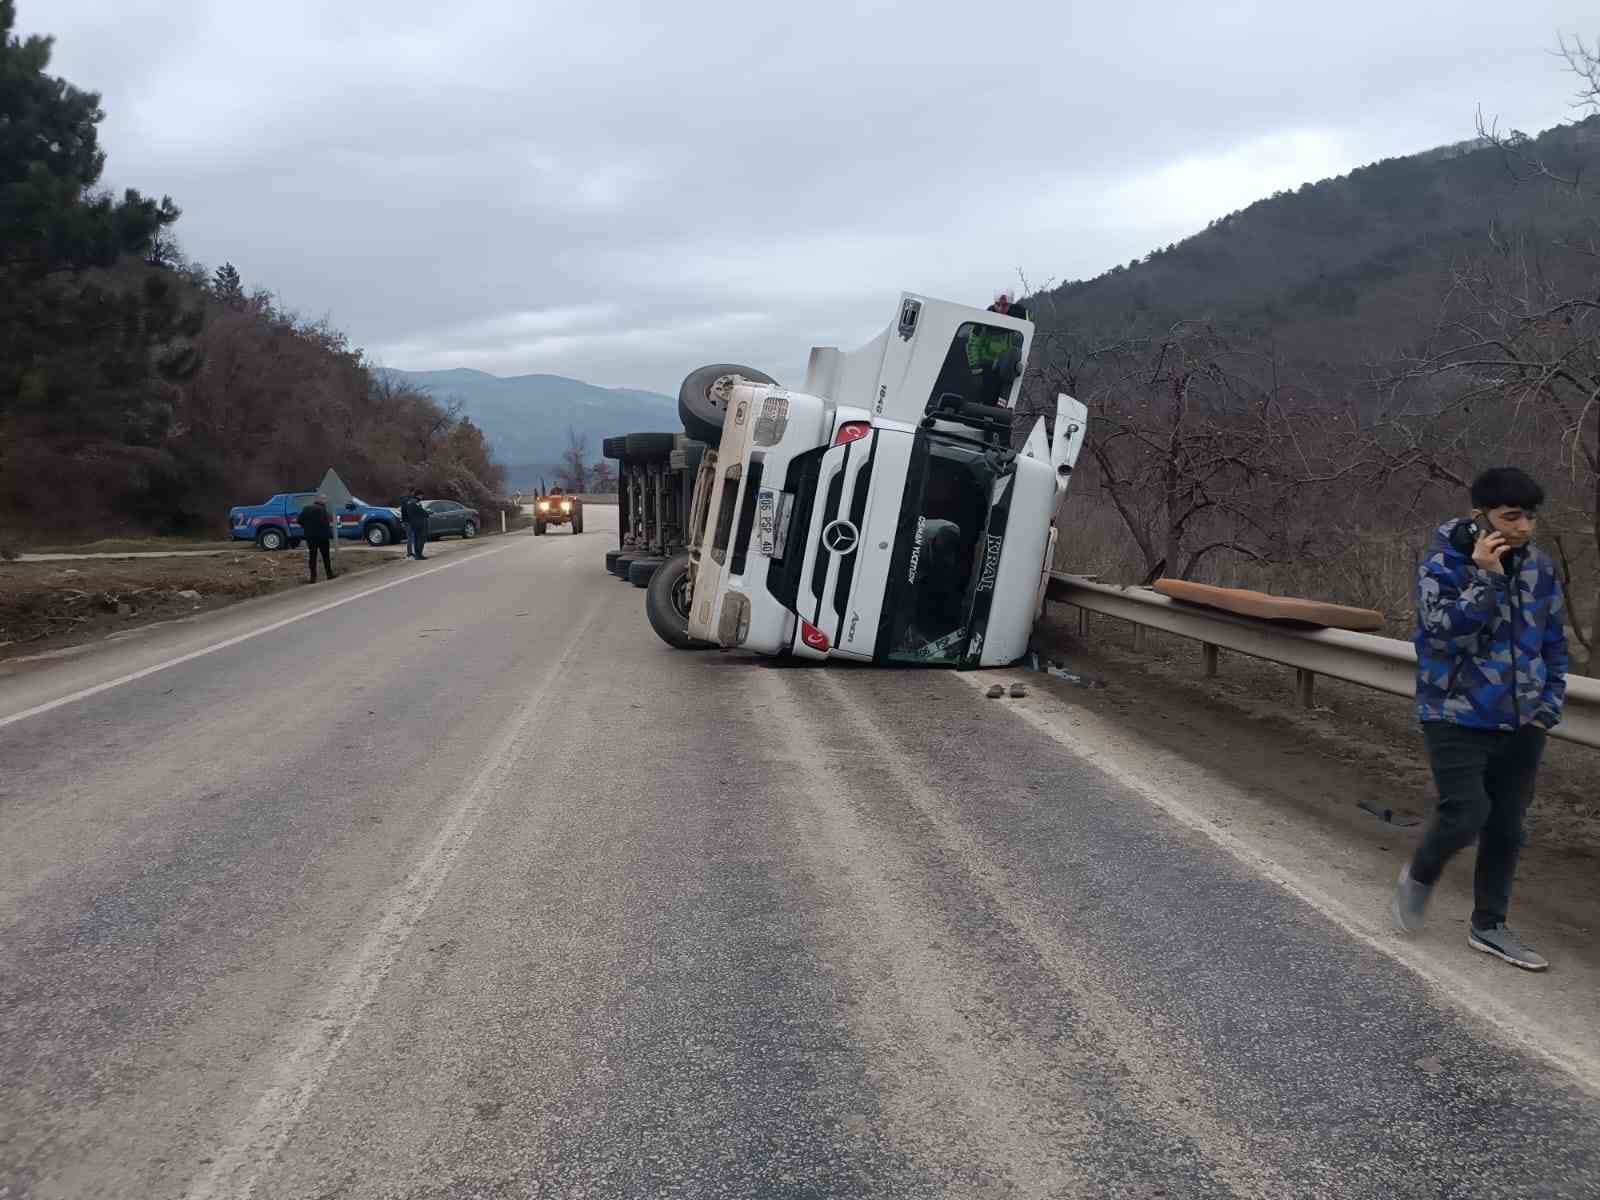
x: 133, y: 676
x: 1460, y: 991
x: 305, y: 1057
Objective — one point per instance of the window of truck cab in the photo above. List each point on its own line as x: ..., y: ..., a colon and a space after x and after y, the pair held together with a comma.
x: 938, y: 547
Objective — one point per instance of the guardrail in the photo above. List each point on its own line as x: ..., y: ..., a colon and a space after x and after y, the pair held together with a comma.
x: 1385, y: 664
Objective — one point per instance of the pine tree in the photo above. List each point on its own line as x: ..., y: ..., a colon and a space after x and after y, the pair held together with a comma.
x: 227, y: 287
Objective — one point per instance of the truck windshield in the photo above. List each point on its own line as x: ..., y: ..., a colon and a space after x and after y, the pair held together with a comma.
x: 938, y: 546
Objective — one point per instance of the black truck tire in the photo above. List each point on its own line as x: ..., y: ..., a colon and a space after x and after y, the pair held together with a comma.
x: 666, y: 604
x: 614, y: 447
x: 611, y: 560
x: 650, y: 445
x: 701, y: 412
x: 538, y: 527
x: 577, y: 518
x: 272, y: 538
x: 624, y: 561
x: 641, y: 569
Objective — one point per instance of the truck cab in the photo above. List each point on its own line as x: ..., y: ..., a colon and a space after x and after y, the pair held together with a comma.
x: 881, y: 514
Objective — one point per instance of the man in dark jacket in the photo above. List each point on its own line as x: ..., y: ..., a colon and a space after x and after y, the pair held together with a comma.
x: 316, y: 525
x: 416, y: 520
x: 1491, y: 680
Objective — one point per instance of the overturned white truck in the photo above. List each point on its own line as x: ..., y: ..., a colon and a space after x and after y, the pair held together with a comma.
x: 881, y: 513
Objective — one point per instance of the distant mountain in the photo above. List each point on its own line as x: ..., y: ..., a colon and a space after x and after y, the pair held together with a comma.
x: 526, y: 417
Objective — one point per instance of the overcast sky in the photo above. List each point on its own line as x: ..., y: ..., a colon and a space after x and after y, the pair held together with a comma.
x: 622, y: 191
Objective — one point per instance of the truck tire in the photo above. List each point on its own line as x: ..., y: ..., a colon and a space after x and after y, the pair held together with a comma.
x: 377, y: 534
x: 640, y: 570
x: 577, y: 519
x: 624, y: 561
x: 611, y: 560
x: 469, y: 530
x: 666, y: 603
x: 538, y: 527
x: 702, y: 412
x: 272, y: 538
x: 614, y: 447
x: 650, y: 445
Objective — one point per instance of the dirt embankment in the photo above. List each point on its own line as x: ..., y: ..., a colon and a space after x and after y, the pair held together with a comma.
x: 47, y: 605
x: 1357, y: 751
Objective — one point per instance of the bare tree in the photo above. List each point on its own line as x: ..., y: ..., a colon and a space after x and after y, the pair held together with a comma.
x: 574, y: 469
x: 1202, y: 451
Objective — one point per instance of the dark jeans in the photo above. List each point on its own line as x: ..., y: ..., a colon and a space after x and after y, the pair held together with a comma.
x: 416, y: 539
x: 312, y: 550
x: 1485, y: 779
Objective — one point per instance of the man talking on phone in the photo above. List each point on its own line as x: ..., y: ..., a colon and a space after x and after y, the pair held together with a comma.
x: 1491, y: 679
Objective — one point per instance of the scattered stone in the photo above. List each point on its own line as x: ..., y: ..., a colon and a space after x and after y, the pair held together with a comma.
x: 995, y: 692
x: 188, y: 594
x: 1018, y: 691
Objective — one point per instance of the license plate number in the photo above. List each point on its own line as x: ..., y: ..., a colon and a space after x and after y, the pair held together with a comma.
x: 772, y: 522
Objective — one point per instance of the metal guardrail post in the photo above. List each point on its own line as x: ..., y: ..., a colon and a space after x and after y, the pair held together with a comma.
x: 1384, y: 664
x: 1305, y: 687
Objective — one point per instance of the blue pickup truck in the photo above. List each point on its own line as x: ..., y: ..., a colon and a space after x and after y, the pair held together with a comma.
x: 276, y: 524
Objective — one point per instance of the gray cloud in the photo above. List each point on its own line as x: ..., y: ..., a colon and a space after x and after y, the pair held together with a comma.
x: 621, y: 192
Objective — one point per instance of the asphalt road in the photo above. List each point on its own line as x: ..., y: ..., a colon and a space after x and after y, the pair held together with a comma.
x: 470, y: 887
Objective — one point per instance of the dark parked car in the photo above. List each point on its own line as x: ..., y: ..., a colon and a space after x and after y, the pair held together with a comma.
x: 446, y: 516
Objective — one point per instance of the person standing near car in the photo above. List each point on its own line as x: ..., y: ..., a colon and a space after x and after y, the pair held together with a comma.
x: 316, y: 524
x: 416, y: 519
x: 1491, y: 682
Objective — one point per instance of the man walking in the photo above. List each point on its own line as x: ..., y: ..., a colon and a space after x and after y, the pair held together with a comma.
x: 1491, y: 680
x: 416, y: 521
x: 316, y: 524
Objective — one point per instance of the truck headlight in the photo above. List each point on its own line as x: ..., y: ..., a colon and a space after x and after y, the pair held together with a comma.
x: 544, y: 506
x: 566, y: 506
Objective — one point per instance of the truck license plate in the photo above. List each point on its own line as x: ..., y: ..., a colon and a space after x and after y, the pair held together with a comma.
x: 772, y: 521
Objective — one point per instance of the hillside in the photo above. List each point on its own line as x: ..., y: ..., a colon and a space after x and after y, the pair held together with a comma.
x: 526, y: 417
x: 1343, y: 269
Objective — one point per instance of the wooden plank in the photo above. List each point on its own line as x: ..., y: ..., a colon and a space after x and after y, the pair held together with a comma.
x: 1272, y: 608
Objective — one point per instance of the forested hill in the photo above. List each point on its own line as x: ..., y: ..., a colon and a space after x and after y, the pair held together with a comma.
x: 1345, y: 261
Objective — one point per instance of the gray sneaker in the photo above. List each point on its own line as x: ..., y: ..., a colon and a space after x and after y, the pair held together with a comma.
x: 1410, y: 902
x: 1502, y: 943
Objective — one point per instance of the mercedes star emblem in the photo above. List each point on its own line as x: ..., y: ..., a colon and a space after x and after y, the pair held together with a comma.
x: 840, y: 537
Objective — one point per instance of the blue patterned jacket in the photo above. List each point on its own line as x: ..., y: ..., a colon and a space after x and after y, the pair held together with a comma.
x: 1491, y: 649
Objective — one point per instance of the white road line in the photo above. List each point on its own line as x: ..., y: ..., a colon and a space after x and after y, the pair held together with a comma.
x: 1476, y: 1002
x: 85, y: 693
x: 306, y: 1055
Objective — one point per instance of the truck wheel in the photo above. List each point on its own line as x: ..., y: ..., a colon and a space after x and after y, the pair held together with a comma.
x: 611, y: 560
x: 377, y: 535
x: 614, y: 447
x: 577, y: 519
x: 700, y: 409
x: 624, y: 561
x: 272, y: 539
x: 538, y: 527
x: 666, y: 603
x: 650, y: 445
x: 470, y: 529
x: 640, y: 570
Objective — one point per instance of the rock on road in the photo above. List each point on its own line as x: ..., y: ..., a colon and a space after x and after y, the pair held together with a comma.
x: 470, y: 887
